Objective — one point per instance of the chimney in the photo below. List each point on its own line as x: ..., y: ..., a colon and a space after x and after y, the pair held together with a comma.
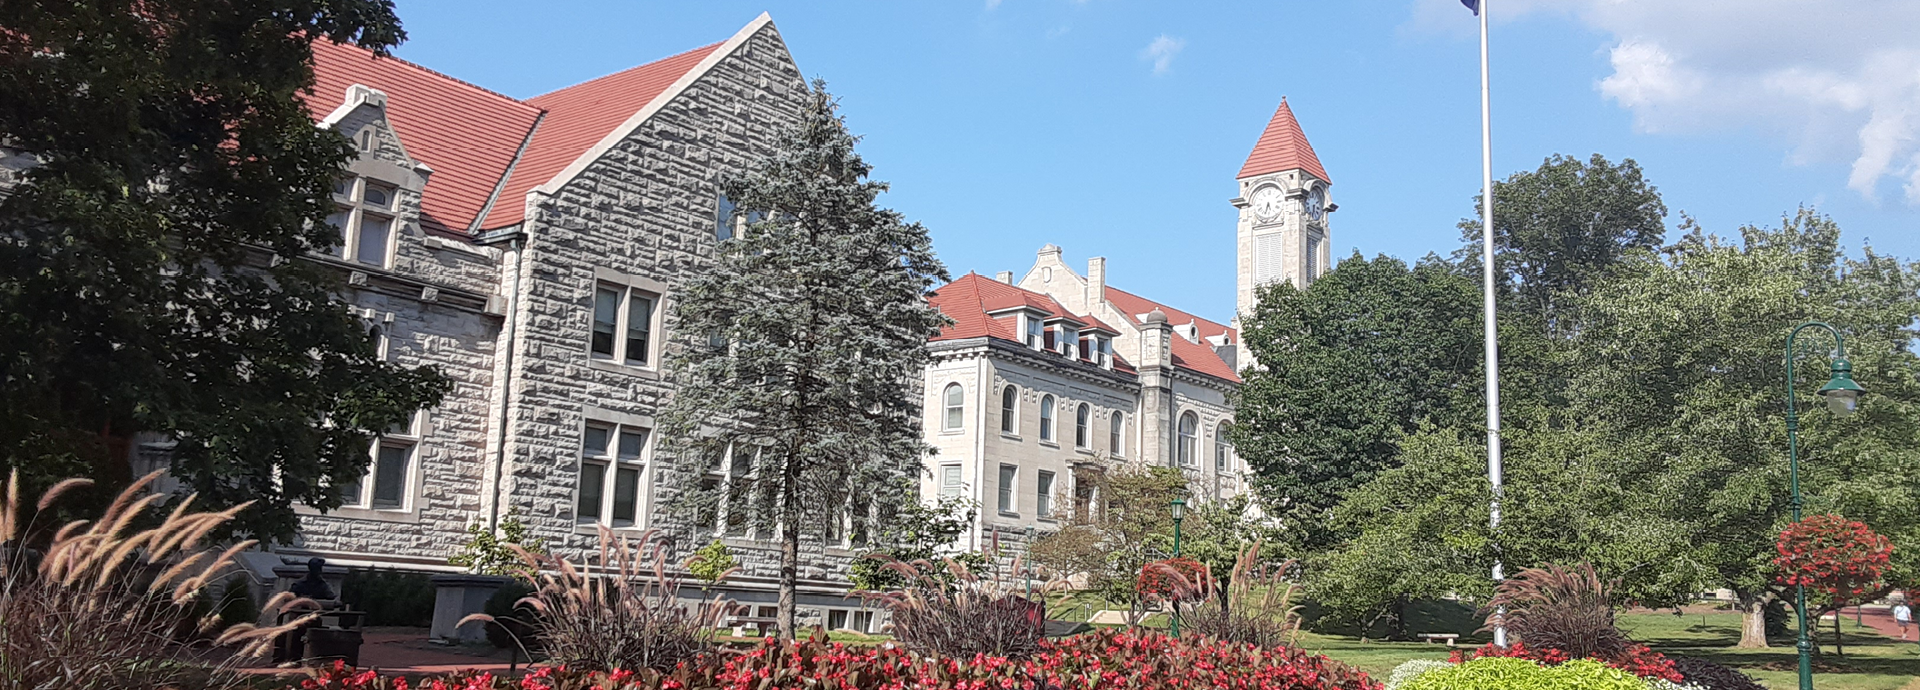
x: 1156, y: 345
x: 1004, y: 277
x: 1096, y: 281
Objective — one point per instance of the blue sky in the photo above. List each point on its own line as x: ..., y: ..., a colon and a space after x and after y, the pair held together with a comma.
x: 1114, y: 127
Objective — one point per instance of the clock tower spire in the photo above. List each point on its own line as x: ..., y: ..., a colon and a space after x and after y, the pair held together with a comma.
x: 1283, y: 202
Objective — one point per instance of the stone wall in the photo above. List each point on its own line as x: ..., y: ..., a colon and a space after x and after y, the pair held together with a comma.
x: 642, y: 214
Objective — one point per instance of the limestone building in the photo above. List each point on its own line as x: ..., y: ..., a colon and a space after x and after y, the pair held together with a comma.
x: 1046, y: 384
x: 533, y: 249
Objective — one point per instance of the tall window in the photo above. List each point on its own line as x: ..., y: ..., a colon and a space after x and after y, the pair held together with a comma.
x: 363, y: 214
x: 1008, y: 475
x: 1036, y: 333
x: 723, y: 219
x: 1043, y: 495
x: 950, y: 481
x: 386, y: 484
x: 956, y: 407
x: 1313, y: 256
x: 1010, y: 409
x: 1189, y: 438
x: 740, y: 483
x: 1222, y: 448
x: 1082, y: 426
x: 612, y: 464
x: 623, y: 324
x: 1115, y: 427
x: 1046, y: 418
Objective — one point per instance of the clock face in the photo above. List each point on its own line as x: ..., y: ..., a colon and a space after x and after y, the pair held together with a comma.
x: 1316, y: 204
x: 1266, y: 203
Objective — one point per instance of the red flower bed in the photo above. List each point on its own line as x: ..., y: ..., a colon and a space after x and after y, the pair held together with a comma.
x: 1639, y: 660
x: 1104, y: 659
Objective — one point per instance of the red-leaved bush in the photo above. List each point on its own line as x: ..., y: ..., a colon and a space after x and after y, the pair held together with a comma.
x: 1103, y: 659
x: 1840, y: 559
x: 1636, y: 659
x: 1174, y: 579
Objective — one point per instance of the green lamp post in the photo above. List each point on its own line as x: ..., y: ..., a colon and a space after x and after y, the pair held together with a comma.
x: 1026, y: 564
x: 1842, y: 396
x: 1179, y: 506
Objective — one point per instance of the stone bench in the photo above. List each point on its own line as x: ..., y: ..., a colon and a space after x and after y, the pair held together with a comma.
x: 1430, y: 638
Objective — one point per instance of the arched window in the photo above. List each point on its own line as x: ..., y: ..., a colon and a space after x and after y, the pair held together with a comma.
x: 1222, y: 448
x: 1082, y: 421
x: 1189, y: 438
x: 1114, y: 435
x: 1010, y: 409
x: 1046, y: 418
x: 956, y: 407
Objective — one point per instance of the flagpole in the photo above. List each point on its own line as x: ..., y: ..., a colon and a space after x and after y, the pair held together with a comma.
x: 1494, y: 470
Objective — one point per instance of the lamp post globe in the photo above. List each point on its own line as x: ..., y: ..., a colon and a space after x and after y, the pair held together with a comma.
x: 1841, y: 393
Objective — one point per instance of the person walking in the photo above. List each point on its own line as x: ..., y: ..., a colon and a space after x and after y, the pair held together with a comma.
x: 1903, y: 616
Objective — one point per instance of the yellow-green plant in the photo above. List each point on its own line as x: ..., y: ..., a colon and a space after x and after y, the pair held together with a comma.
x: 491, y: 552
x: 1254, y: 606
x: 104, y: 604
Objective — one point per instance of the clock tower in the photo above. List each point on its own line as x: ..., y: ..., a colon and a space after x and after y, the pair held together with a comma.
x: 1283, y: 202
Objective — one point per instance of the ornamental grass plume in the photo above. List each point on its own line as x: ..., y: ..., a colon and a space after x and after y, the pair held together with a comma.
x: 102, y: 604
x: 948, y: 610
x: 623, y: 613
x: 1554, y: 607
x: 1254, y: 606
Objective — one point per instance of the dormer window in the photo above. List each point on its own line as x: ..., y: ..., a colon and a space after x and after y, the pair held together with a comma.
x: 1035, y: 333
x: 363, y: 216
x: 1069, y: 343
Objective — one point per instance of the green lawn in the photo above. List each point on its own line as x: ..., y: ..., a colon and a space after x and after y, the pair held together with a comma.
x: 1873, y: 662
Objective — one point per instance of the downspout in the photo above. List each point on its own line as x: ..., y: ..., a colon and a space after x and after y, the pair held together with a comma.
x: 511, y: 334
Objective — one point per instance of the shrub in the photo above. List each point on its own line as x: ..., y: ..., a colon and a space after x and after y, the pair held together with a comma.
x: 712, y: 563
x: 390, y: 597
x: 1174, y: 579
x: 1711, y: 676
x: 1255, y: 605
x: 1636, y: 659
x: 948, y: 610
x: 1408, y: 670
x: 1507, y: 673
x: 491, y: 552
x: 101, y: 605
x: 622, y: 613
x: 1838, y: 559
x: 1557, y: 607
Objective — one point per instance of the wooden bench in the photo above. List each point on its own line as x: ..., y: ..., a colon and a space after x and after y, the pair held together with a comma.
x: 1430, y: 638
x: 760, y: 625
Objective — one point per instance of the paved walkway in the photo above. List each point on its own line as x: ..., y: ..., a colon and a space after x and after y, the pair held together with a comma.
x: 406, y: 651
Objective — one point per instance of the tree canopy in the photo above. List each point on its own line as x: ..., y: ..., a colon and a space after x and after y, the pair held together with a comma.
x: 155, y: 281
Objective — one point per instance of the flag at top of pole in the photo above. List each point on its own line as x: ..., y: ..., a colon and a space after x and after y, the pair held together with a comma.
x: 1495, y: 473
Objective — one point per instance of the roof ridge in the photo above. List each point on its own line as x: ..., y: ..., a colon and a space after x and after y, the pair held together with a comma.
x: 435, y: 72
x: 611, y: 75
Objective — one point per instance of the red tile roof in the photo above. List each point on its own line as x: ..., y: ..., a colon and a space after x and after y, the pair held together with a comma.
x: 467, y: 134
x: 969, y: 299
x: 1198, y: 357
x: 1282, y: 147
x: 579, y: 116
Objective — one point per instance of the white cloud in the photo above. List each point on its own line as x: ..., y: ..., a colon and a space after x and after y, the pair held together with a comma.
x: 1834, y: 81
x: 1162, y: 51
x: 992, y: 4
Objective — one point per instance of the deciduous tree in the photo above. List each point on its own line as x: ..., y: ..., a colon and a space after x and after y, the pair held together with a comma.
x: 154, y: 279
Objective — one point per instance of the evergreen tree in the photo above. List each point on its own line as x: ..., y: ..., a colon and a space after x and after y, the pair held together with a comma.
x: 818, y: 326
x: 154, y: 282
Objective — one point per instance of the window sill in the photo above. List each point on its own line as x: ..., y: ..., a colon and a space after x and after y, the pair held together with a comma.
x: 953, y: 432
x: 1006, y: 514
x: 394, y: 515
x: 1010, y: 437
x: 593, y: 528
x: 620, y: 368
x: 840, y: 552
x: 1083, y: 450
x: 1049, y: 444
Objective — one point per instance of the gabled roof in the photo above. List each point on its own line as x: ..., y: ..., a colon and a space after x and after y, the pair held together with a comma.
x: 580, y: 116
x: 471, y: 136
x: 1197, y: 357
x: 1282, y: 147
x: 469, y: 153
x: 969, y: 299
